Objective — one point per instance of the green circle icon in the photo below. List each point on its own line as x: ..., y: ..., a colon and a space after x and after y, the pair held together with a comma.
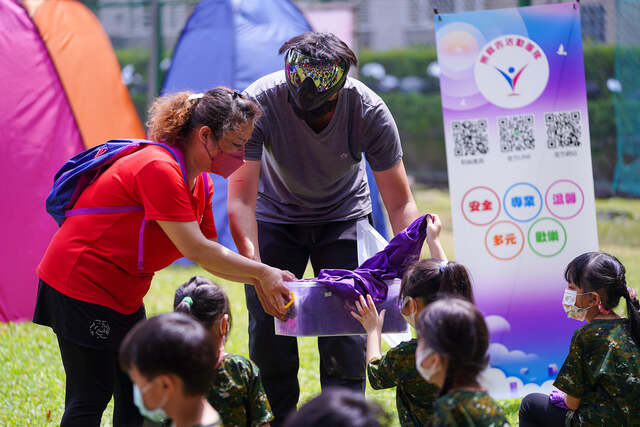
x: 547, y: 237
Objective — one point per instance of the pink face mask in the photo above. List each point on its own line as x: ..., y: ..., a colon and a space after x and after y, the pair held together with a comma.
x: 225, y: 164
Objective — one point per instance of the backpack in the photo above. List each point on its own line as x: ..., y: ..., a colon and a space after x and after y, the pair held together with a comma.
x: 83, y: 169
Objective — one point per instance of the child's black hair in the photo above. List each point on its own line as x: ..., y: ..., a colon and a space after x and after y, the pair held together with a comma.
x: 171, y: 343
x: 338, y: 407
x: 454, y: 328
x: 208, y: 301
x: 427, y: 278
x: 603, y: 273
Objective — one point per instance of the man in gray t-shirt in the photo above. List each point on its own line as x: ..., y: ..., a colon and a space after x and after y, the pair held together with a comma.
x: 303, y: 189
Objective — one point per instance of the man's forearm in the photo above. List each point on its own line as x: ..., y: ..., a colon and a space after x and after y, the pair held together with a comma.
x: 402, y: 216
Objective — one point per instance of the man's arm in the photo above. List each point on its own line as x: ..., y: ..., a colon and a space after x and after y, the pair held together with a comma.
x: 241, y: 208
x: 396, y: 196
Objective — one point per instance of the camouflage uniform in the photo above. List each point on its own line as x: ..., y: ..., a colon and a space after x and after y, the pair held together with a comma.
x: 237, y: 393
x: 468, y: 408
x: 603, y: 371
x: 414, y: 396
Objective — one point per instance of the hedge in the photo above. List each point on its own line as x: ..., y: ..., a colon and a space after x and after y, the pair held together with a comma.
x: 419, y: 115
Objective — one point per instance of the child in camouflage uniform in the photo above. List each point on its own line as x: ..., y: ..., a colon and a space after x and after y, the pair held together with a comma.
x: 236, y: 392
x: 167, y: 357
x: 421, y: 284
x: 600, y: 378
x: 452, y: 350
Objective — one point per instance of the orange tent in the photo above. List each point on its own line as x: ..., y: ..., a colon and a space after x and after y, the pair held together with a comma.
x: 60, y: 92
x: 88, y: 69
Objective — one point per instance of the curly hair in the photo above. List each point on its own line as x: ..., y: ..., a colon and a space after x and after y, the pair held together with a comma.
x: 173, y: 117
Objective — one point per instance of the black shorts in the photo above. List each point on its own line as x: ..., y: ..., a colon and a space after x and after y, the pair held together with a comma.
x: 86, y: 324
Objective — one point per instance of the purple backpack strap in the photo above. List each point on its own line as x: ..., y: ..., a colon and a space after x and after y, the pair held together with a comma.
x: 177, y: 154
x: 141, y: 244
x: 205, y: 177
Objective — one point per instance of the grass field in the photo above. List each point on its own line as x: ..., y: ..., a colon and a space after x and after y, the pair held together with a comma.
x: 32, y: 378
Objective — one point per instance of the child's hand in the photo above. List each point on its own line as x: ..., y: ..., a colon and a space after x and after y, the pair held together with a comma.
x: 368, y: 316
x: 434, y: 226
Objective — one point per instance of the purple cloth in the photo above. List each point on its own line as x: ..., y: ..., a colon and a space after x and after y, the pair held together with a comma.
x: 557, y: 399
x: 389, y: 263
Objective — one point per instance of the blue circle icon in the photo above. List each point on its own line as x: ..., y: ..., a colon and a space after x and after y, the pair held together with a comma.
x: 522, y: 202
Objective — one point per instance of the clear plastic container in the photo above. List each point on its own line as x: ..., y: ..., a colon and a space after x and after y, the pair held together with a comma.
x: 316, y: 311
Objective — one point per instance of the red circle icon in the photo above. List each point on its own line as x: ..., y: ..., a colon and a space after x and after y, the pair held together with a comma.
x: 480, y: 205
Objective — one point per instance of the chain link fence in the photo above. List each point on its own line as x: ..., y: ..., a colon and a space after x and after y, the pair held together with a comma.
x: 626, y: 88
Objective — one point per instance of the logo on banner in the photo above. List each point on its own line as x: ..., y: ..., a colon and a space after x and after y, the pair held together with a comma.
x: 511, y: 71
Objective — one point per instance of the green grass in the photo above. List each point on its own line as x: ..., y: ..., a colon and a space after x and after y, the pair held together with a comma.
x: 32, y: 377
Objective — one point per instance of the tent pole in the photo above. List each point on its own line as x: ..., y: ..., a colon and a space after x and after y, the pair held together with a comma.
x: 152, y: 83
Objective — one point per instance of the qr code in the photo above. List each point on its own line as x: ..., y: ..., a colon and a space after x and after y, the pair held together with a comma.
x: 563, y: 129
x: 470, y: 137
x: 516, y: 133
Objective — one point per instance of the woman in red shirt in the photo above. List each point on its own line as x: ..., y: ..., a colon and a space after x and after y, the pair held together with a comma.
x: 92, y: 276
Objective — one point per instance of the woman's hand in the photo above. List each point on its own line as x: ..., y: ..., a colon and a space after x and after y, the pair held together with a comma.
x: 368, y: 315
x: 272, y: 292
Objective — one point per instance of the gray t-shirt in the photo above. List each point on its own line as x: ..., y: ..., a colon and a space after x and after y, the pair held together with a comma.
x: 309, y: 177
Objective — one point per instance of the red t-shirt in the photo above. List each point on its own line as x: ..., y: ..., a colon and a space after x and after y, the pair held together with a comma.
x: 93, y: 258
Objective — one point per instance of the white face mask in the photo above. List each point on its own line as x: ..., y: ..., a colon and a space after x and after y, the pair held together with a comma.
x: 410, y: 319
x: 425, y: 373
x: 570, y: 307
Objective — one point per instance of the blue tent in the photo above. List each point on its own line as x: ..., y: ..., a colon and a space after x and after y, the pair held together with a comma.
x: 226, y: 43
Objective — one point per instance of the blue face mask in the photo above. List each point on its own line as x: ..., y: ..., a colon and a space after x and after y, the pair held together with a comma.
x: 157, y: 415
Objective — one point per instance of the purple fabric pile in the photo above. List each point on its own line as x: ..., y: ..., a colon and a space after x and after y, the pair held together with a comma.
x: 388, y: 264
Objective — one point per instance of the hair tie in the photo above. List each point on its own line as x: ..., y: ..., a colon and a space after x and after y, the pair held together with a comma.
x: 632, y: 292
x: 443, y: 265
x: 188, y: 300
x: 195, y: 96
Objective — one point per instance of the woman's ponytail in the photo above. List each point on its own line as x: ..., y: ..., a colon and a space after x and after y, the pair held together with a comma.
x: 169, y: 116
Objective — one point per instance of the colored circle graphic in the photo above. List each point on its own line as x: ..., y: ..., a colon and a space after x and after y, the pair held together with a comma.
x: 522, y: 202
x: 480, y: 205
x: 504, y: 240
x: 511, y: 71
x: 547, y: 237
x: 564, y: 199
